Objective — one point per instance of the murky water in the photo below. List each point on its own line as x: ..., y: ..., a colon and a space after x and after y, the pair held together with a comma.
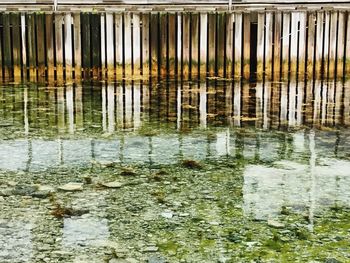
x: 200, y: 172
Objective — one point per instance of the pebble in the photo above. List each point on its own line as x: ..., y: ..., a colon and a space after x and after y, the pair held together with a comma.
x: 275, y: 224
x: 114, y: 184
x: 71, y: 187
x: 150, y: 249
x: 167, y: 215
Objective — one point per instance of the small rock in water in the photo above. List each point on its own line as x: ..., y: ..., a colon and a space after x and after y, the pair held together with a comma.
x: 45, y: 188
x: 71, y: 187
x: 114, y: 184
x: 150, y: 249
x: 167, y: 215
x: 275, y: 224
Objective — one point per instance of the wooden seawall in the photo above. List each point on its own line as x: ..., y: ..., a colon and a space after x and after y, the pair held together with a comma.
x: 270, y: 43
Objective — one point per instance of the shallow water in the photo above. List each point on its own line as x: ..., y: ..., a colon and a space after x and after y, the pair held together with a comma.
x: 207, y: 172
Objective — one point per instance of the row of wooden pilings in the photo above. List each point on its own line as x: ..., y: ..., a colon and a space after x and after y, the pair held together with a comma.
x: 113, y: 45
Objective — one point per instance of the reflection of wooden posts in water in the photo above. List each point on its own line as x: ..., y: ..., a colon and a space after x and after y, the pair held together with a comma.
x: 186, y: 43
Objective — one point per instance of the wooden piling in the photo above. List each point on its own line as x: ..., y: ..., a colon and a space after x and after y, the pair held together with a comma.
x: 268, y: 44
x: 332, y: 44
x: 186, y: 38
x: 294, y: 43
x: 1, y: 45
x: 163, y: 45
x: 220, y: 48
x: 145, y: 44
x: 7, y: 49
x: 310, y: 64
x: 136, y: 44
x: 277, y: 45
x: 172, y: 34
x: 127, y: 44
x: 110, y: 45
x: 15, y: 20
x: 229, y: 44
x: 195, y: 45
x: 50, y: 46
x: 319, y: 43
x: 246, y: 45
x: 40, y: 36
x: 260, y: 46
x: 154, y: 43
x: 302, y: 44
x: 31, y: 46
x: 340, y: 45
x: 347, y: 49
x: 119, y: 44
x: 59, y: 45
x: 77, y: 46
x: 211, y: 44
x: 285, y: 44
x: 103, y: 45
x: 68, y: 45
x: 326, y: 44
x: 238, y: 45
x: 96, y: 44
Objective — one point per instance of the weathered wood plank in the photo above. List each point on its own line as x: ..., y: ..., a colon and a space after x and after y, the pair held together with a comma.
x: 163, y: 45
x: 77, y: 46
x: 119, y: 44
x: 136, y: 44
x: 260, y: 46
x: 16, y: 44
x: 186, y: 38
x: 50, y: 46
x: 40, y: 36
x: 294, y: 43
x: 68, y: 46
x: 95, y: 21
x: 326, y: 43
x: 268, y: 44
x: 347, y: 49
x: 220, y: 48
x: 59, y: 44
x: 229, y: 44
x: 302, y: 44
x: 179, y: 45
x: 194, y: 45
x: 86, y: 44
x: 127, y: 44
x: 238, y: 45
x: 154, y: 43
x: 145, y: 44
x: 103, y: 44
x: 340, y: 45
x: 211, y: 43
x: 7, y: 49
x: 332, y: 44
x: 246, y: 45
x: 31, y: 46
x: 110, y: 45
x: 1, y: 46
x: 311, y: 44
x: 319, y: 44
x: 285, y: 44
x: 172, y: 18
x: 277, y: 45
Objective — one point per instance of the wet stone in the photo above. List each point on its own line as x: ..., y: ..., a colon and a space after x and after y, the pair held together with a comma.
x: 71, y: 187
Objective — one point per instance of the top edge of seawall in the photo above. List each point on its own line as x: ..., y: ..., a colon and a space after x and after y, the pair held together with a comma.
x: 163, y: 6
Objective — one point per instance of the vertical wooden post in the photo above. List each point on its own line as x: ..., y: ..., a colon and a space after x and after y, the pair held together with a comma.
x: 59, y: 45
x: 326, y: 43
x: 302, y: 44
x: 285, y: 44
x: 1, y: 45
x: 103, y: 44
x: 110, y: 45
x: 268, y: 44
x: 172, y: 43
x: 340, y: 45
x: 277, y: 45
x: 311, y: 44
x: 127, y: 44
x: 16, y: 44
x: 220, y: 48
x: 136, y: 44
x: 7, y: 49
x: 238, y: 45
x: 229, y: 44
x: 332, y: 43
x: 31, y: 46
x: 203, y: 47
x: 77, y: 46
x: 163, y: 42
x: 68, y: 46
x: 186, y: 38
x: 179, y: 45
x: 246, y: 45
x: 24, y: 46
x: 95, y: 21
x: 40, y: 36
x: 319, y: 44
x: 50, y: 46
x: 145, y: 44
x: 211, y: 44
x: 154, y: 43
x: 119, y: 44
x: 85, y: 44
x: 194, y: 45
x: 260, y: 46
x: 347, y: 49
x: 294, y: 43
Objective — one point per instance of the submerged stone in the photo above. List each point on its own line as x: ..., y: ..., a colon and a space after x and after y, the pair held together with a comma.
x: 114, y: 184
x: 71, y: 187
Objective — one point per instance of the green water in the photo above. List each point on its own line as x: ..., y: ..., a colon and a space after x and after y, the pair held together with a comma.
x: 175, y: 172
